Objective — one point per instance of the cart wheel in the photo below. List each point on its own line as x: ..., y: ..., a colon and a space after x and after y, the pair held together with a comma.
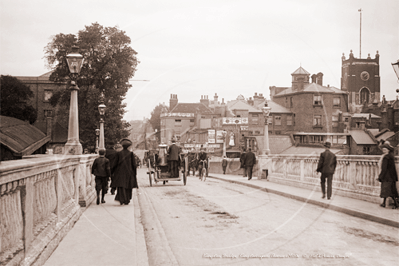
x: 150, y: 177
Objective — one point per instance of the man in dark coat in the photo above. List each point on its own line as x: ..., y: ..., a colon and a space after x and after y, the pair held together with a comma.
x: 224, y: 164
x: 173, y: 153
x: 326, y: 166
x: 242, y: 163
x: 125, y: 173
x: 249, y: 162
x: 102, y: 171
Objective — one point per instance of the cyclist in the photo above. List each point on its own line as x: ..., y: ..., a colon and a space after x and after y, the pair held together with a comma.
x: 202, y: 157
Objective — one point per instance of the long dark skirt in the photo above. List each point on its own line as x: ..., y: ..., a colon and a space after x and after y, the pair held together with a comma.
x: 123, y: 195
x: 388, y: 189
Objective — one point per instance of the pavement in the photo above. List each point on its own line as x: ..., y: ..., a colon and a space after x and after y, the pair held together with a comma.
x: 107, y: 234
x: 110, y: 234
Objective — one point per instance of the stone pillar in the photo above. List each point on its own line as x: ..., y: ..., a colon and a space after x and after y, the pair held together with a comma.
x: 73, y: 146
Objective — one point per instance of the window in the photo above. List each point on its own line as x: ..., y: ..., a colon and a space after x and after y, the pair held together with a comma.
x: 366, y: 150
x: 337, y: 102
x: 250, y: 133
x: 270, y: 120
x: 277, y: 120
x: 278, y: 132
x: 257, y: 132
x: 291, y: 103
x: 47, y: 95
x: 317, y: 120
x: 177, y: 122
x: 255, y: 119
x: 317, y: 100
x: 289, y: 120
x: 334, y: 121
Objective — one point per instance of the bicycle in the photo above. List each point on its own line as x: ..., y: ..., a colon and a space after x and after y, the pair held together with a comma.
x: 202, y: 170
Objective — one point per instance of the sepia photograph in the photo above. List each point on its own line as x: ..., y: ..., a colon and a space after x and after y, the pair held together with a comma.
x: 199, y: 133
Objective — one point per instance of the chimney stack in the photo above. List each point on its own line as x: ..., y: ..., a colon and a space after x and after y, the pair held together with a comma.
x: 172, y: 101
x: 319, y: 78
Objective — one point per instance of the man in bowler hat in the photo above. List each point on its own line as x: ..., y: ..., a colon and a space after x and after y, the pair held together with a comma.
x: 326, y: 166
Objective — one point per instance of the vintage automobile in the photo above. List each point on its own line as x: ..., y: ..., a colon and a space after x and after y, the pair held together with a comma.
x: 159, y: 168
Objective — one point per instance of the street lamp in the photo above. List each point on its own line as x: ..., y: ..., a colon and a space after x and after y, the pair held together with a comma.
x: 97, y: 135
x: 396, y: 68
x: 101, y: 110
x: 74, y: 61
x: 224, y: 133
x: 266, y: 111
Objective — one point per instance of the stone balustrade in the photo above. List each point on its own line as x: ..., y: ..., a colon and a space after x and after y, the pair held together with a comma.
x: 355, y: 175
x: 40, y: 200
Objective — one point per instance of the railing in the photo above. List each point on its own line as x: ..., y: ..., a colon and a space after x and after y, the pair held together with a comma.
x: 355, y: 176
x: 39, y: 203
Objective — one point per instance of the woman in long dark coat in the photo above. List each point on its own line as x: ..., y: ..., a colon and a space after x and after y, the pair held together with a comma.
x: 388, y: 175
x: 125, y: 173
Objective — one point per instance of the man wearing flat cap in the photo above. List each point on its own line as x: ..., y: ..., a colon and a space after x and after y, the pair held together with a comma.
x: 326, y: 166
x: 125, y: 173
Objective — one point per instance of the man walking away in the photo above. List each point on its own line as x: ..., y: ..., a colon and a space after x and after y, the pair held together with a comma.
x: 102, y: 171
x: 242, y: 162
x: 326, y: 166
x: 224, y: 164
x: 250, y: 160
x: 174, y: 153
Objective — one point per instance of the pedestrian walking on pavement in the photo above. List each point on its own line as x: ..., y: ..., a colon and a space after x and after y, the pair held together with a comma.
x: 249, y: 162
x: 242, y: 162
x: 388, y: 175
x: 110, y: 154
x: 102, y: 171
x: 326, y: 166
x: 224, y: 164
x: 125, y: 173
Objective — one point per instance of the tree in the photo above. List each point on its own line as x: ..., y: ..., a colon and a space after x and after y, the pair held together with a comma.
x: 14, y: 99
x: 109, y: 63
x: 155, y: 119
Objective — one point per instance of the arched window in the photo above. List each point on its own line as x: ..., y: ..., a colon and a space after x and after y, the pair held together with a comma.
x: 364, y: 95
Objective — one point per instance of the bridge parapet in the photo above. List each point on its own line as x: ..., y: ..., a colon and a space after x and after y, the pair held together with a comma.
x: 355, y: 175
x: 39, y: 203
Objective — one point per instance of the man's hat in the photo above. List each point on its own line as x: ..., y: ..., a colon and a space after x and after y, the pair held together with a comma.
x: 327, y: 144
x: 387, y: 145
x: 126, y: 142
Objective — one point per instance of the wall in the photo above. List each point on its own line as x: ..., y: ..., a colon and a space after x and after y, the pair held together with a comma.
x: 40, y: 201
x: 355, y: 175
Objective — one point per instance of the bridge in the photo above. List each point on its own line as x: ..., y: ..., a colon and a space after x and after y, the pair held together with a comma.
x: 43, y: 196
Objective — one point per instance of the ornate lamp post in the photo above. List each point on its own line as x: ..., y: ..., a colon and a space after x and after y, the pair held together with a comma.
x: 101, y: 110
x: 266, y: 111
x: 224, y: 142
x: 97, y: 135
x: 75, y: 61
x: 396, y: 68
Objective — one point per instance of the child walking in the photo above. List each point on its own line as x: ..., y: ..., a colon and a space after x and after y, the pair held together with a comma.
x: 102, y: 171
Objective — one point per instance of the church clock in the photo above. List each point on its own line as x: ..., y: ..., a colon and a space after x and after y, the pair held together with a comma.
x: 365, y: 75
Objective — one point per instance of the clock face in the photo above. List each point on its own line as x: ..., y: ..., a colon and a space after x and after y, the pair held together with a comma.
x: 364, y: 75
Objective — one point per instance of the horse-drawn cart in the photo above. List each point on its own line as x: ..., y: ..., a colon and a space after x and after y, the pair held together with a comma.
x: 159, y: 168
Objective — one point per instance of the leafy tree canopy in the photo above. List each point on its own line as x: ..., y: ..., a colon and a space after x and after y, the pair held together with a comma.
x: 155, y: 119
x: 15, y: 98
x: 109, y: 63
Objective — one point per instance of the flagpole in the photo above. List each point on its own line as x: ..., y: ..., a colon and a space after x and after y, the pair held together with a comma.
x: 360, y: 50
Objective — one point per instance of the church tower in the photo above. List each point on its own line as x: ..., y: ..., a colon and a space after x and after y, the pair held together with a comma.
x: 361, y: 79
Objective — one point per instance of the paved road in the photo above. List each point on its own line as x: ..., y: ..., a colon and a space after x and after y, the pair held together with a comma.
x: 220, y: 223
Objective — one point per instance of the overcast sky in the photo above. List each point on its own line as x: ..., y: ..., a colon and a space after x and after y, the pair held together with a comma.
x: 200, y: 47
